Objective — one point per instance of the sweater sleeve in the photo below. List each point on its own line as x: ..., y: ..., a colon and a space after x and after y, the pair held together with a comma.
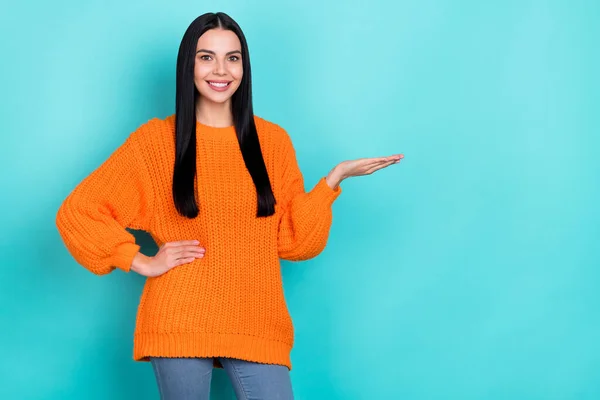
x: 93, y: 217
x: 306, y: 216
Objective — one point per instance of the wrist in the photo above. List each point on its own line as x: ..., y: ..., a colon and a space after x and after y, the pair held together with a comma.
x: 140, y: 263
x: 334, y: 178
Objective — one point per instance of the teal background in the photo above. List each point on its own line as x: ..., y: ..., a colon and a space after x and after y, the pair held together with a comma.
x: 467, y: 271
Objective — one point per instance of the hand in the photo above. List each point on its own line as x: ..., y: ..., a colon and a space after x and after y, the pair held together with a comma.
x: 361, y: 166
x: 169, y: 256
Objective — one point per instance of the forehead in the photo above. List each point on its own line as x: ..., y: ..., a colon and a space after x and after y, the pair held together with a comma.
x: 219, y: 40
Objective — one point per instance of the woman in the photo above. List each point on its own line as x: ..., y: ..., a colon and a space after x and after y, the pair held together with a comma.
x: 220, y: 191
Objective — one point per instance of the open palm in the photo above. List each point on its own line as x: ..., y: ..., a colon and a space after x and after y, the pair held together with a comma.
x: 366, y: 166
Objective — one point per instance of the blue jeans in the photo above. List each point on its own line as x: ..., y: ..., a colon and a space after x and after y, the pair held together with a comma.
x: 189, y: 378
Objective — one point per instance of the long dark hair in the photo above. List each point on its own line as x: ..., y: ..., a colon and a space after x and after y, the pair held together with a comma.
x: 186, y: 95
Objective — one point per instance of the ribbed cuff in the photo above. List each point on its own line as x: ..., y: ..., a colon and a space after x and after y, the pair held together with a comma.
x: 124, y: 255
x: 325, y: 193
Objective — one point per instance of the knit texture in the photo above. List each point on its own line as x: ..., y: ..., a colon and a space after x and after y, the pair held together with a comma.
x: 229, y: 303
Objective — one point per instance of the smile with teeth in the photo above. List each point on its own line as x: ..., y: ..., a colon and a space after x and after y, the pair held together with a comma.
x: 219, y: 85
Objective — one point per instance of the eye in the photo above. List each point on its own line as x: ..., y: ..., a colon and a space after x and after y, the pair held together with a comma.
x: 202, y: 57
x: 235, y: 58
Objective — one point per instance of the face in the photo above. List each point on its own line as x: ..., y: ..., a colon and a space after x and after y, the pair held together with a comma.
x: 218, y: 65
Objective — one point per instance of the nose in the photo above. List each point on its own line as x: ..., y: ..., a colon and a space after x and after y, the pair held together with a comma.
x: 219, y: 68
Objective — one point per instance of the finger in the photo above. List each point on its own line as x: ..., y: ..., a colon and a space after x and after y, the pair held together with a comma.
x: 371, y: 162
x: 182, y: 261
x: 376, y: 168
x: 188, y: 254
x: 182, y: 243
x: 390, y: 158
x: 377, y: 159
x: 376, y: 164
x: 174, y: 247
x: 394, y: 157
x: 181, y: 249
x: 387, y: 164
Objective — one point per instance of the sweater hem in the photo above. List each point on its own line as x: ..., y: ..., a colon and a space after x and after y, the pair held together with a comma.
x: 198, y: 344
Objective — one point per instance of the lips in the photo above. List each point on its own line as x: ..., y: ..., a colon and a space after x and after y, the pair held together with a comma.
x: 219, y: 86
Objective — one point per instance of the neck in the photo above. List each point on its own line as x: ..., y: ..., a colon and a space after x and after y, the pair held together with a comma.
x: 218, y: 115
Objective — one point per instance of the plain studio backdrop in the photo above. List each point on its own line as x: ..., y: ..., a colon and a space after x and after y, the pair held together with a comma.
x: 468, y: 271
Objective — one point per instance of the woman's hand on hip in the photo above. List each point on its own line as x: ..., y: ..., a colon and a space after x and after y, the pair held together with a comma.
x: 169, y: 256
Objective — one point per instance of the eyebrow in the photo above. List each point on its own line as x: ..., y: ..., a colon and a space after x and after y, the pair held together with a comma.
x: 213, y: 53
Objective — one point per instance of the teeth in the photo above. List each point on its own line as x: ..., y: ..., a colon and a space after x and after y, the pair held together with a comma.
x: 218, y: 84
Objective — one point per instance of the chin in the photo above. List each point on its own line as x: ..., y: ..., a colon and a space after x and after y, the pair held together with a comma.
x: 215, y: 97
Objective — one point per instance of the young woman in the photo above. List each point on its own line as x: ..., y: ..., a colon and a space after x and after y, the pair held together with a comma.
x: 220, y: 191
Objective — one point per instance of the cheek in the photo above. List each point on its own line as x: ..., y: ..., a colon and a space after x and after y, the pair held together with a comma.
x: 237, y: 72
x: 199, y: 72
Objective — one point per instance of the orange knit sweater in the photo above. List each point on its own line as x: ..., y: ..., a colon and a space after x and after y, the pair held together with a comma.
x: 231, y: 302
